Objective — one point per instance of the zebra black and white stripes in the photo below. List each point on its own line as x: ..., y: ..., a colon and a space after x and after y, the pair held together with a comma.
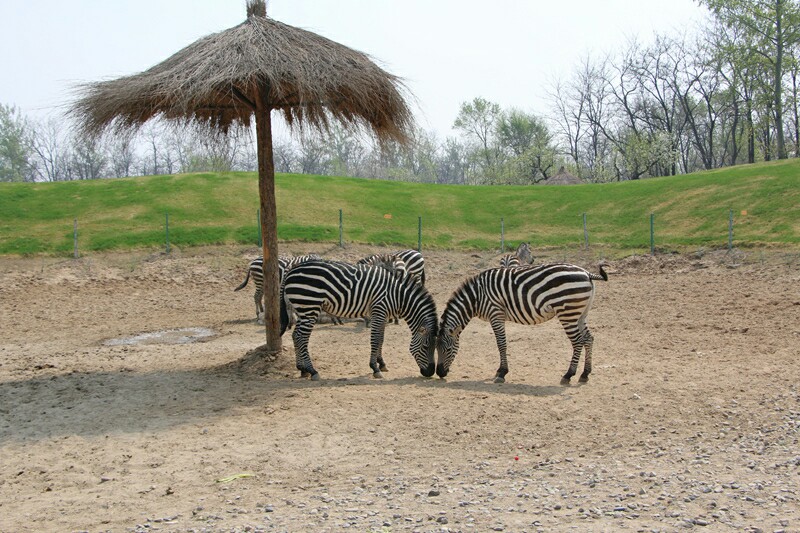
x: 256, y: 270
x: 522, y: 257
x: 524, y: 295
x: 348, y: 291
x: 413, y: 260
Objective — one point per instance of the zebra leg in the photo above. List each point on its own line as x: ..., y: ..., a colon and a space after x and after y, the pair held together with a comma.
x: 588, y: 342
x: 300, y: 335
x: 381, y: 363
x: 259, y: 299
x: 499, y: 328
x: 377, y: 327
x: 576, y: 333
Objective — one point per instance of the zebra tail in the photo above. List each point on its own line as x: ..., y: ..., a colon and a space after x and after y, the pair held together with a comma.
x: 284, y: 315
x: 244, y: 283
x: 602, y: 276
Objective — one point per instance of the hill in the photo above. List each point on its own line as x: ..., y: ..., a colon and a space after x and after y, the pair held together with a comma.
x: 689, y: 211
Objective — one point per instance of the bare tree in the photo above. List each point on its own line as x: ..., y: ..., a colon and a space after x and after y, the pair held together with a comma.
x: 88, y: 160
x: 50, y: 146
x: 312, y: 155
x: 121, y: 155
x: 477, y: 120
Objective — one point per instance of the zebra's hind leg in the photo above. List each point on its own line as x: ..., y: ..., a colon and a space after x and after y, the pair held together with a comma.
x: 577, y: 333
x: 259, y: 299
x: 300, y: 336
x: 588, y: 342
x: 573, y: 365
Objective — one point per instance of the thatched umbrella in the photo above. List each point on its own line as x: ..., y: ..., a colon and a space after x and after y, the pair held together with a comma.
x: 249, y: 71
x: 563, y: 177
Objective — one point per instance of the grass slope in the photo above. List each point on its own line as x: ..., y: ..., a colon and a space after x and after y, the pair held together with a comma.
x: 690, y: 211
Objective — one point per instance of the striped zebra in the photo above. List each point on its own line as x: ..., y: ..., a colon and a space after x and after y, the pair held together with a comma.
x: 525, y: 295
x: 256, y: 270
x: 390, y: 262
x: 349, y: 291
x: 414, y: 262
x: 522, y: 257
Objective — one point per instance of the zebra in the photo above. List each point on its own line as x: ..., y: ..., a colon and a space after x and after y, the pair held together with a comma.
x: 524, y: 295
x: 346, y: 290
x: 414, y: 262
x: 522, y: 257
x: 390, y: 262
x: 256, y: 270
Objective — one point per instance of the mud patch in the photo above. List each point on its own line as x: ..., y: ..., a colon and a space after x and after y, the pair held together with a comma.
x: 168, y: 336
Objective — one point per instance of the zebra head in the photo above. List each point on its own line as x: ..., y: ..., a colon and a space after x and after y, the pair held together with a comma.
x: 447, y: 346
x: 524, y: 254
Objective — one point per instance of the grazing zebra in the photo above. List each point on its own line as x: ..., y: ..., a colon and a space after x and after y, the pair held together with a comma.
x: 256, y: 270
x: 414, y: 262
x: 349, y: 291
x: 522, y: 257
x: 524, y: 295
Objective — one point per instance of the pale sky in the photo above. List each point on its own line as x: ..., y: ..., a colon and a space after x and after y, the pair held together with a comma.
x: 447, y: 51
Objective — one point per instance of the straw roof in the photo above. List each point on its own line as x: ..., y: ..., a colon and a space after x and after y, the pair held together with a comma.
x: 218, y: 80
x: 563, y: 178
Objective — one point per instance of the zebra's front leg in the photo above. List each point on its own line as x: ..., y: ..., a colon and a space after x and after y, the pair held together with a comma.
x: 377, y: 327
x: 381, y: 363
x: 300, y: 335
x: 499, y: 328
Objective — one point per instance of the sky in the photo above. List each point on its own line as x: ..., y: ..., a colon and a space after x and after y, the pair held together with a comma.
x: 447, y: 51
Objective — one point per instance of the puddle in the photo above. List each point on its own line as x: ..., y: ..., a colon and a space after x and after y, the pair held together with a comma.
x: 168, y: 336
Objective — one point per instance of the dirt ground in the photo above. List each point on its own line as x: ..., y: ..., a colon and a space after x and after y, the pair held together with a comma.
x: 690, y: 418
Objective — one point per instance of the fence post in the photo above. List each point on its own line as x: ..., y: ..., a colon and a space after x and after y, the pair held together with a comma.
x: 341, y: 229
x: 730, y: 230
x: 585, y: 234
x: 652, y: 234
x: 166, y: 225
x: 75, y: 238
x: 419, y: 235
x: 502, y: 235
x: 258, y: 225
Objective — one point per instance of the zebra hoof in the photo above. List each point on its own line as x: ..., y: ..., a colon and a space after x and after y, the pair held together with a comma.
x: 498, y: 379
x: 315, y: 376
x: 384, y: 368
x: 583, y: 379
x: 565, y: 381
x: 304, y: 374
x: 377, y: 375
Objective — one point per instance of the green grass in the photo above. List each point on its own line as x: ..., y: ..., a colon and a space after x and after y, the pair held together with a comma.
x: 690, y: 211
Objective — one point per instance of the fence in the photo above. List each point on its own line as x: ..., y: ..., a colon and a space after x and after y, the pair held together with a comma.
x: 584, y: 218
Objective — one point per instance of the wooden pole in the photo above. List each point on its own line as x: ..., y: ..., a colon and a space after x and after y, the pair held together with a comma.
x: 269, y: 220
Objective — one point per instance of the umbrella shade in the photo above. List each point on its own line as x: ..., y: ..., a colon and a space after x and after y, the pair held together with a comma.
x: 245, y: 73
x: 217, y: 79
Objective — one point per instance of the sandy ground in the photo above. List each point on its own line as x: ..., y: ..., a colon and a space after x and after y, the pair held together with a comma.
x: 690, y: 418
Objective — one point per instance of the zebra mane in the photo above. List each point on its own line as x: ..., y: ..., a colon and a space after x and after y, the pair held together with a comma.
x: 410, y: 286
x: 472, y: 280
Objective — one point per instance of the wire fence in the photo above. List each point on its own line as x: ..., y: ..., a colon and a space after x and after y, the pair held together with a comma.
x: 502, y: 233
